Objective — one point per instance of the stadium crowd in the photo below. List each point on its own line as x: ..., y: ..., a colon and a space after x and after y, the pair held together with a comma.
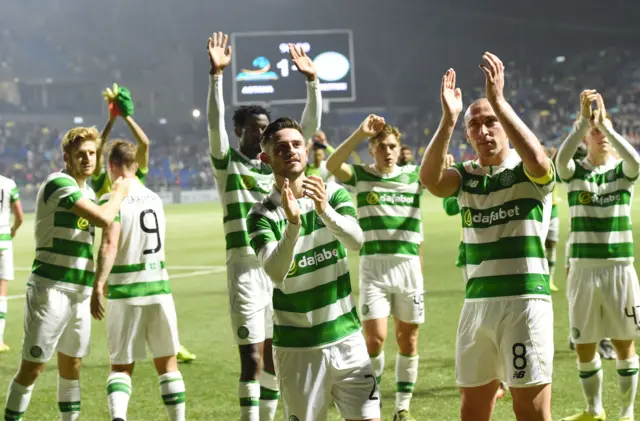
x: 543, y: 92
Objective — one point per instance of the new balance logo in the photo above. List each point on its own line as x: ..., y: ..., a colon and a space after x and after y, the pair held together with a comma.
x: 472, y: 184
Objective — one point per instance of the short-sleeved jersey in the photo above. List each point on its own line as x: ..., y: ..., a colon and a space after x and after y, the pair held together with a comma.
x: 313, y: 306
x: 504, y: 224
x: 101, y: 183
x: 139, y: 273
x: 600, y: 208
x: 389, y: 210
x: 8, y: 195
x: 64, y: 241
x: 241, y: 183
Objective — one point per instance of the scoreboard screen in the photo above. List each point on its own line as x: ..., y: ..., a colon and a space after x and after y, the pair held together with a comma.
x: 264, y: 72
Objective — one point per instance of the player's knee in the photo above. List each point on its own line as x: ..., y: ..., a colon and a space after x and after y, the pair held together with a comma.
x: 474, y: 412
x: 29, y: 372
x: 69, y: 367
x: 250, y: 359
x: 532, y: 404
x: 530, y: 411
x: 374, y: 344
x: 407, y: 341
x: 624, y: 349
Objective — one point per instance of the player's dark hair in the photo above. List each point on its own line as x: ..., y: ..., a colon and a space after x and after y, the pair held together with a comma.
x: 241, y: 114
x: 405, y: 147
x: 277, y: 125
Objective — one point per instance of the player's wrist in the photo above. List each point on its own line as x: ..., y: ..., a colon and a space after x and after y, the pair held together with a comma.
x: 216, y: 71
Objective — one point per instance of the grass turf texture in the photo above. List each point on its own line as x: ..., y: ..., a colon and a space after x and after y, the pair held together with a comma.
x: 196, y: 257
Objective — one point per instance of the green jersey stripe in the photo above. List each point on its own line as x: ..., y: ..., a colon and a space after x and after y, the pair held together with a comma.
x: 14, y: 195
x: 238, y: 210
x: 139, y: 267
x: 508, y: 285
x: 554, y: 211
x: 70, y: 248
x: 601, y: 251
x: 391, y: 223
x: 322, y: 334
x: 309, y: 223
x: 347, y: 211
x: 620, y: 223
x: 220, y: 164
x: 5, y: 237
x: 504, y: 248
x: 390, y: 247
x: 139, y: 289
x: 314, y: 298
x: 610, y: 176
x: 237, y: 239
x: 55, y: 184
x: 63, y: 274
x: 69, y: 201
x: 245, y: 183
x: 70, y: 220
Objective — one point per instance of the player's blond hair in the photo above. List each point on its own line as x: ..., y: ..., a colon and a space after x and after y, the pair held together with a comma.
x: 123, y: 153
x: 387, y: 130
x: 77, y: 135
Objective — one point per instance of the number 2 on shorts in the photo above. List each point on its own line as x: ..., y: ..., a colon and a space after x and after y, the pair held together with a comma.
x: 373, y: 390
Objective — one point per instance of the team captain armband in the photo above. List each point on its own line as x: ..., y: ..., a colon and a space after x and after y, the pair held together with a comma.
x: 545, y: 179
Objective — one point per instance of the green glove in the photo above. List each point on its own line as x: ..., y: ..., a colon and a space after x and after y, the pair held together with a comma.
x: 124, y: 102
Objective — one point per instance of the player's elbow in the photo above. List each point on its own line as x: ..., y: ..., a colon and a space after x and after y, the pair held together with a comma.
x: 433, y: 185
x: 101, y: 221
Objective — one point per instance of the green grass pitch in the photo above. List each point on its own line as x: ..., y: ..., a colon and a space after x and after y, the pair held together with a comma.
x: 196, y: 258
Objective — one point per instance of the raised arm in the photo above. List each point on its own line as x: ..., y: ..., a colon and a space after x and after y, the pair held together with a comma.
x: 629, y: 155
x: 219, y: 58
x: 106, y: 256
x: 312, y: 113
x: 142, y: 155
x: 434, y: 172
x: 104, y: 136
x: 564, y: 162
x: 526, y: 144
x: 337, y: 162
